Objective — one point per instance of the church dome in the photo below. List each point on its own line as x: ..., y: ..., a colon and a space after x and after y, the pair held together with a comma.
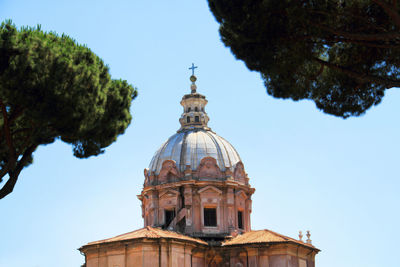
x: 194, y: 143
x: 189, y: 146
x: 196, y: 182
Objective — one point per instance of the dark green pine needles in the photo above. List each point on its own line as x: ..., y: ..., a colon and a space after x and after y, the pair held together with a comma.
x: 342, y: 55
x: 51, y: 87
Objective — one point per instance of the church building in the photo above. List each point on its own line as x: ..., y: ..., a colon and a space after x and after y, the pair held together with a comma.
x: 196, y: 206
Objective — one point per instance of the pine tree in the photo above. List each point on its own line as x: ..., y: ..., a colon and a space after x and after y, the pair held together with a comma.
x: 340, y: 54
x: 53, y: 88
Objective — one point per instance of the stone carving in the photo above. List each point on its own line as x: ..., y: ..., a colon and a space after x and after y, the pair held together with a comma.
x: 143, y: 210
x: 168, y: 172
x: 208, y: 168
x: 239, y: 172
x: 146, y: 176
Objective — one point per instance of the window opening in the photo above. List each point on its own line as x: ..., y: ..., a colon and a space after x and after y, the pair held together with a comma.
x: 196, y: 109
x: 188, y: 119
x: 210, y: 217
x: 169, y: 216
x: 188, y: 110
x: 196, y: 119
x: 240, y: 219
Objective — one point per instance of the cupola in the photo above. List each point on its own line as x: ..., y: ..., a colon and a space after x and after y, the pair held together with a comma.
x: 194, y: 115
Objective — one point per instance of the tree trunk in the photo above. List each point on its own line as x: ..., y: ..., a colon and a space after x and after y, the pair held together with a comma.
x: 9, y: 186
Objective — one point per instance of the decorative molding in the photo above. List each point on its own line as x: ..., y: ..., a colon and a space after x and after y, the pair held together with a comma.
x: 239, y: 172
x: 169, y: 191
x: 241, y: 194
x: 209, y: 187
x: 208, y: 168
x: 168, y: 171
x: 146, y: 176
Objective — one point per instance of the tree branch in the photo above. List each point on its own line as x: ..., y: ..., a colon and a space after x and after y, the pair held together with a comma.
x: 6, y: 128
x: 15, y: 115
x: 360, y: 76
x: 13, y: 174
x: 9, y: 186
x: 335, y: 40
x: 390, y: 11
x: 389, y: 36
x: 3, y: 172
x: 21, y: 131
x: 364, y: 19
x: 370, y: 44
x: 25, y: 157
x: 13, y: 168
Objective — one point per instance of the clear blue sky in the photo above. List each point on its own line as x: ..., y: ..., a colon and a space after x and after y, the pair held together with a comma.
x: 338, y: 178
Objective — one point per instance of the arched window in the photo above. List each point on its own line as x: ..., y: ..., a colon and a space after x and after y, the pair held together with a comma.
x: 189, y: 109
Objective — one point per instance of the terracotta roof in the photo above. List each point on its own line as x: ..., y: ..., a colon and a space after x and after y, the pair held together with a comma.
x: 148, y: 232
x: 263, y: 236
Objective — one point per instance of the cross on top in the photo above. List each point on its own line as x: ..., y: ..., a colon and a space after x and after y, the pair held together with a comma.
x: 193, y: 68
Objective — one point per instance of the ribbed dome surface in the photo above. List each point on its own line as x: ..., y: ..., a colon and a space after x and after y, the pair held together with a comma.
x: 191, y: 146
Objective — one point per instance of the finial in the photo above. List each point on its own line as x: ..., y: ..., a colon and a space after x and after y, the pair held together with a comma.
x: 308, y: 237
x: 300, y: 236
x: 193, y: 68
x: 193, y: 79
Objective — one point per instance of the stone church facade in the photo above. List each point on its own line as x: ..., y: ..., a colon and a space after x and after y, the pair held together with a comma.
x: 196, y: 206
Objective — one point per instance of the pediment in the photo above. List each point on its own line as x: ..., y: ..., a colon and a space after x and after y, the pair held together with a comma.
x: 210, y: 189
x: 241, y: 194
x: 169, y: 193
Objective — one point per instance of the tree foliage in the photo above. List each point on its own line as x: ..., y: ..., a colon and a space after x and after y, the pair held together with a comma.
x: 53, y: 88
x: 340, y: 54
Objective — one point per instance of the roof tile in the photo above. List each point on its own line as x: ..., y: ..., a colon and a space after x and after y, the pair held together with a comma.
x: 148, y: 232
x: 263, y: 236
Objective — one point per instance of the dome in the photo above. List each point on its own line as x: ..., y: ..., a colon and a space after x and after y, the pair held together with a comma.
x: 190, y: 146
